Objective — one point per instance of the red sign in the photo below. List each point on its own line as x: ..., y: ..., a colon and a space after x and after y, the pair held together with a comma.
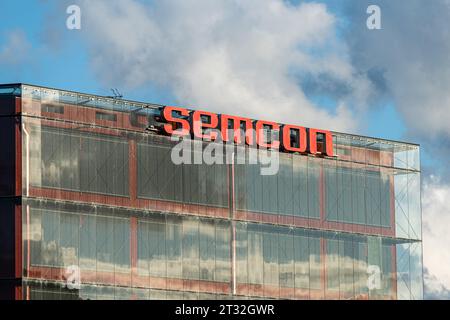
x: 287, y: 138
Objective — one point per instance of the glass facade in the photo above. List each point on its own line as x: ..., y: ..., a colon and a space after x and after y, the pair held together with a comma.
x: 102, y: 202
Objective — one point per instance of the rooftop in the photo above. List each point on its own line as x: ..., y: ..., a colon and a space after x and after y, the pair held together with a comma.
x: 123, y: 105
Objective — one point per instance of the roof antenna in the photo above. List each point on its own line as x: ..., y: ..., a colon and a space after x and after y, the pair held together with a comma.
x: 116, y: 94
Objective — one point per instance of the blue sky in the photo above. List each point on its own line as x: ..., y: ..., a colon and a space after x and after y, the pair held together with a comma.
x: 95, y: 59
x: 64, y: 65
x: 68, y: 66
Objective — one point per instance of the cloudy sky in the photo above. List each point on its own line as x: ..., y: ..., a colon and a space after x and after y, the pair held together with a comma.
x: 315, y: 62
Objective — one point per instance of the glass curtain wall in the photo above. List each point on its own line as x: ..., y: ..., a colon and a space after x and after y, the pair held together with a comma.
x: 102, y: 193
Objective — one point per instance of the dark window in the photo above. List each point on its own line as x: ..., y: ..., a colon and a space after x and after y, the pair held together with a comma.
x: 357, y: 195
x: 160, y: 178
x: 51, y: 108
x: 84, y: 162
x: 105, y: 116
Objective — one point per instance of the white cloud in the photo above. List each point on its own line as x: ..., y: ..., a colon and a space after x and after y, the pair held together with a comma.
x: 412, y: 50
x: 240, y: 57
x: 434, y: 289
x: 436, y: 235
